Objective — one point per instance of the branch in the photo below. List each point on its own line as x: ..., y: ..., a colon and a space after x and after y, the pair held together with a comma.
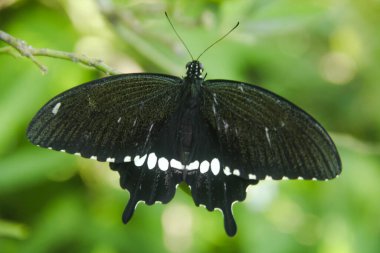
x: 30, y: 52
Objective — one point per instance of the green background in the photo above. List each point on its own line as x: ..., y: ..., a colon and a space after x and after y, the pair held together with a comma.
x: 323, y: 55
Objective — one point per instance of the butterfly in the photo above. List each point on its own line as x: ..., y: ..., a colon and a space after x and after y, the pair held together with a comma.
x: 158, y: 131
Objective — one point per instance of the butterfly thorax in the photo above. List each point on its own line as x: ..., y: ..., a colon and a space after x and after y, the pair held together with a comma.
x: 194, y: 70
x: 193, y: 80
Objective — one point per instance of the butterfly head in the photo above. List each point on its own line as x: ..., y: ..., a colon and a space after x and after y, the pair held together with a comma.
x: 194, y: 69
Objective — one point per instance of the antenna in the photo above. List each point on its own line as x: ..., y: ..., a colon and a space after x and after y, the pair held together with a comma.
x: 179, y: 37
x: 204, y: 51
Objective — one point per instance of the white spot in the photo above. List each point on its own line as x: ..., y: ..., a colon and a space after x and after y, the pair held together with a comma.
x: 252, y: 176
x: 78, y: 154
x: 236, y: 172
x: 147, y: 137
x: 241, y: 88
x: 139, y: 161
x: 267, y: 135
x: 139, y: 202
x: 56, y: 108
x: 213, y: 109
x: 300, y: 178
x: 158, y: 202
x: 282, y: 123
x: 248, y: 189
x: 50, y: 148
x: 201, y: 205
x: 284, y: 178
x: 267, y: 177
x: 215, y: 166
x: 218, y: 209
x: 134, y: 122
x: 225, y: 125
x: 163, y: 164
x: 152, y: 160
x: 204, y: 166
x: 127, y: 159
x: 118, y: 121
x: 215, y: 101
x: 62, y: 150
x: 233, y: 203
x: 193, y: 166
x: 176, y: 164
x: 227, y: 171
x: 232, y: 206
x: 93, y: 157
x: 314, y: 179
x: 111, y: 160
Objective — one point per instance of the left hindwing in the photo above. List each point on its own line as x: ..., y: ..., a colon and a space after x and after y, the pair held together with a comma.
x: 110, y: 119
x: 263, y: 135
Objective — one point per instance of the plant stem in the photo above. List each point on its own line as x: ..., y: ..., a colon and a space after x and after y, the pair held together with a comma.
x: 30, y: 52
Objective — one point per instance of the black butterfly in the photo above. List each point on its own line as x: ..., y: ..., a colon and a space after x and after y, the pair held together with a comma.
x: 157, y: 131
x: 217, y: 136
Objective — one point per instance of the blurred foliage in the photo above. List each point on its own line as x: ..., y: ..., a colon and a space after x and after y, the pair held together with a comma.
x: 322, y: 55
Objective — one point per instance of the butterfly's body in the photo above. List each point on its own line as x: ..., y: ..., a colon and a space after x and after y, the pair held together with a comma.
x: 187, y: 122
x: 188, y: 115
x: 217, y: 136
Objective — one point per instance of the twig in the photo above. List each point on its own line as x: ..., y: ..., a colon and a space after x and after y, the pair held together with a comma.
x: 30, y: 52
x: 7, y: 50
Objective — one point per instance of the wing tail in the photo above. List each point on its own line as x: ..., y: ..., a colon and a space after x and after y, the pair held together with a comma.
x: 218, y: 192
x: 146, y: 185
